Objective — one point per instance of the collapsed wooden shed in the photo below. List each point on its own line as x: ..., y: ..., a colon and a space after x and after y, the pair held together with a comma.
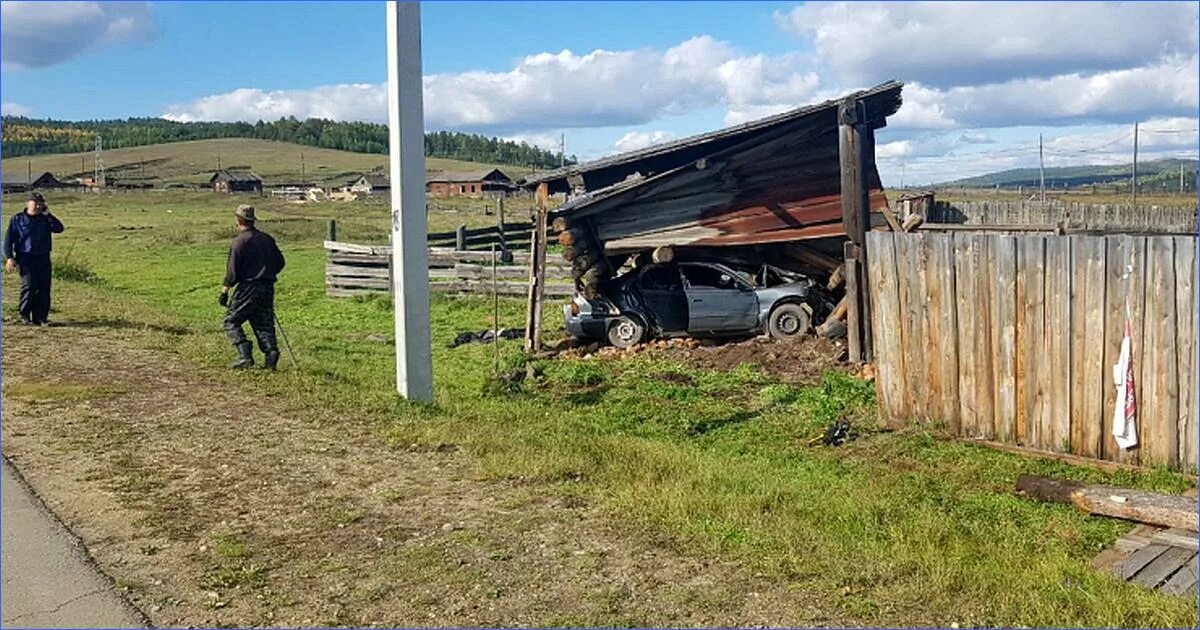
x: 775, y: 183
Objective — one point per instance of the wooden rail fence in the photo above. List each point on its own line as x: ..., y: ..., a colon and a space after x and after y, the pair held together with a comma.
x: 1074, y: 216
x: 1013, y: 338
x: 352, y: 269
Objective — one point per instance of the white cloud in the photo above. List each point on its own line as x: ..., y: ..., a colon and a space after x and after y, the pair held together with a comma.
x: 552, y: 91
x: 14, y: 109
x: 975, y: 137
x: 42, y: 34
x: 547, y: 141
x: 635, y: 140
x: 944, y: 44
x: 897, y: 149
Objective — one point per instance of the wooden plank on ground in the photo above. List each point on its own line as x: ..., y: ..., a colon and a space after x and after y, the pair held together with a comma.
x: 1158, y: 408
x: 1187, y: 319
x: 1004, y: 336
x: 1139, y: 559
x: 1177, y: 537
x: 1056, y: 432
x: 1087, y: 345
x: 1163, y: 567
x: 1138, y: 537
x: 885, y: 322
x: 1183, y: 581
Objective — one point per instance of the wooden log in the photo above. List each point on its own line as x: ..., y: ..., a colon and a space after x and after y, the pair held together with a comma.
x: 890, y: 217
x: 560, y: 224
x: 912, y: 222
x: 839, y: 312
x: 837, y: 278
x: 1125, y: 503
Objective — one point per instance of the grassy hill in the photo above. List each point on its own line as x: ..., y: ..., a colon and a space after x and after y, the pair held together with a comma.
x: 195, y: 161
x: 1154, y: 174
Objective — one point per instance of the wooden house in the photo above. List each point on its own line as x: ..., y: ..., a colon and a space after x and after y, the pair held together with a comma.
x: 371, y: 184
x: 233, y: 181
x: 490, y: 182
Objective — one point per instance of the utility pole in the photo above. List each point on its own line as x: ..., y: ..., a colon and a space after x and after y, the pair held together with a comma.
x: 1042, y: 169
x: 29, y: 172
x: 562, y: 150
x: 1135, y: 148
x: 218, y: 161
x: 301, y: 168
x: 1181, y: 178
x: 410, y: 260
x: 902, y: 176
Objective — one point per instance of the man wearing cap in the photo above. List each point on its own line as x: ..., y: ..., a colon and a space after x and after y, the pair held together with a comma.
x: 254, y: 263
x: 27, y: 246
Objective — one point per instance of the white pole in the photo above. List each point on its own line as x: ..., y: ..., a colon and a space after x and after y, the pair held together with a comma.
x: 410, y: 261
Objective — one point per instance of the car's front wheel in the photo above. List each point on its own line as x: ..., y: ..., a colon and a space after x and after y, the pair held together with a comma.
x: 626, y: 331
x: 789, y: 320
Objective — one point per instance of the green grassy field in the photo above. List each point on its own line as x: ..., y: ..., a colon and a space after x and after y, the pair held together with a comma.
x: 195, y: 161
x: 892, y: 529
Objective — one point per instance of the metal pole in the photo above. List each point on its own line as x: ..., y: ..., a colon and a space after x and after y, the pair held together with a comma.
x: 410, y: 260
x: 287, y: 344
x: 1041, y: 169
x: 1133, y: 184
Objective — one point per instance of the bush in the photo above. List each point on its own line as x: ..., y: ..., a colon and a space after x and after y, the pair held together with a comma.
x: 74, y: 271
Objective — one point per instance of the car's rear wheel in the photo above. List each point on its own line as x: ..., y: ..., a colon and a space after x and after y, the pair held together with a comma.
x: 789, y: 320
x: 626, y: 331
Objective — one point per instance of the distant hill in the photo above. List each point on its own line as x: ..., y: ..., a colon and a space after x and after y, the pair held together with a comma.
x: 195, y: 161
x: 28, y: 136
x: 1152, y: 175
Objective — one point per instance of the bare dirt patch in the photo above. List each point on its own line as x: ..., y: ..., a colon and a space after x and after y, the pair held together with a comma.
x: 210, y: 505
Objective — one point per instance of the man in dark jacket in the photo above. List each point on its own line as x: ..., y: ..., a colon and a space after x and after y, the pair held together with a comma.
x: 254, y: 263
x: 27, y: 246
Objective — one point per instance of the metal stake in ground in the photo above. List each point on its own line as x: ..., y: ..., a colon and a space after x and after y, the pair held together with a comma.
x: 286, y: 343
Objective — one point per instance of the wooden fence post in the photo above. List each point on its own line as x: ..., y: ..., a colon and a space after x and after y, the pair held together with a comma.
x: 537, y: 273
x: 855, y: 143
x: 460, y: 238
x: 331, y: 230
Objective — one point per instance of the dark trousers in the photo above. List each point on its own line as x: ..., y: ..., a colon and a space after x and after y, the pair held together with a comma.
x: 252, y: 302
x: 35, y: 288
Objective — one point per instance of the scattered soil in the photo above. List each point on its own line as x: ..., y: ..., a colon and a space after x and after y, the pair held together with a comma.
x: 211, y: 505
x: 801, y: 360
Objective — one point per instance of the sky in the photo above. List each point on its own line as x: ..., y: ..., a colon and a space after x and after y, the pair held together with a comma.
x: 982, y: 80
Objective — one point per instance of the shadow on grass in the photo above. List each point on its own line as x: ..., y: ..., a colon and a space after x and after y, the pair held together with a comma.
x: 120, y: 323
x: 705, y: 426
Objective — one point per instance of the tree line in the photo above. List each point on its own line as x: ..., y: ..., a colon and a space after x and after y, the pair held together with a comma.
x: 28, y: 136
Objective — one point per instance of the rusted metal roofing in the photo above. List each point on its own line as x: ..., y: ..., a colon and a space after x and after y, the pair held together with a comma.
x: 235, y: 175
x: 774, y: 180
x: 493, y: 175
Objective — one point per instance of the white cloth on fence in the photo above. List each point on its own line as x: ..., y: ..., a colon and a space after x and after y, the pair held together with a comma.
x: 1125, y: 410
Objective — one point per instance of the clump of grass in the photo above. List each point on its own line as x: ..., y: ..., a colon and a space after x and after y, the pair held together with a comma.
x: 74, y: 271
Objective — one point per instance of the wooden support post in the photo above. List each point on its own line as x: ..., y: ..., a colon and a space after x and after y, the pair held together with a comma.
x: 460, y: 238
x: 855, y: 147
x: 331, y: 230
x: 500, y: 222
x: 537, y: 273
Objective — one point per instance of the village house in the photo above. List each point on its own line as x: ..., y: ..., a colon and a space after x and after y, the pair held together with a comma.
x: 492, y: 182
x: 236, y: 181
x: 371, y: 184
x: 25, y: 183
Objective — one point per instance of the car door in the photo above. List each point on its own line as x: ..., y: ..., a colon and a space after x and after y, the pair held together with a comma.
x: 662, y: 292
x: 718, y: 301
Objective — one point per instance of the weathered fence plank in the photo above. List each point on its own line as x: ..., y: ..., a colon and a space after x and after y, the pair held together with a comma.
x: 886, y: 322
x: 1125, y: 270
x: 985, y: 350
x: 1003, y: 329
x: 1056, y: 435
x: 1179, y: 219
x: 1187, y: 319
x: 1160, y: 441
x: 943, y: 301
x: 1032, y: 372
x: 1087, y: 352
x: 964, y: 277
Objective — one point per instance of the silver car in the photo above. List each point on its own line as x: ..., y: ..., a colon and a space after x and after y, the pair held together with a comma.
x: 698, y: 299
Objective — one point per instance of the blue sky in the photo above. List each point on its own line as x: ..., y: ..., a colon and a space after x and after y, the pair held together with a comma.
x: 982, y: 80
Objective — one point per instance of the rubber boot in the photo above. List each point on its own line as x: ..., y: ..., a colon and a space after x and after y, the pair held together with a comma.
x: 245, y: 356
x: 271, y: 359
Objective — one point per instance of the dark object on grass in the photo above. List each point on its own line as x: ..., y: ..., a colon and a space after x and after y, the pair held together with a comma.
x: 486, y: 336
x: 837, y: 434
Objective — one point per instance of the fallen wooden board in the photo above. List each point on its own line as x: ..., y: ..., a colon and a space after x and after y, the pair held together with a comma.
x: 1126, y: 503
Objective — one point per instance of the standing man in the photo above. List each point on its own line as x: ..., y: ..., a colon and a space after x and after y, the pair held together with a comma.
x: 27, y: 246
x: 254, y: 263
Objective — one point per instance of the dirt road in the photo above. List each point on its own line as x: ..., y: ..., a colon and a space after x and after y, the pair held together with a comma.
x: 210, y: 505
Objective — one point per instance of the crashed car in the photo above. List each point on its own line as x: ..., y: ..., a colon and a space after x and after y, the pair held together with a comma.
x: 698, y: 299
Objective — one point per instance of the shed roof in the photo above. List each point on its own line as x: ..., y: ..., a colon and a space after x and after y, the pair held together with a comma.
x: 374, y: 180
x: 466, y: 176
x: 22, y: 179
x: 882, y: 100
x: 767, y: 183
x: 236, y: 176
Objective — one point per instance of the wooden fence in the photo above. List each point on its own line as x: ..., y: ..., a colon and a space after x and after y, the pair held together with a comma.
x: 353, y: 269
x: 1013, y: 338
x: 505, y: 236
x: 1053, y: 216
